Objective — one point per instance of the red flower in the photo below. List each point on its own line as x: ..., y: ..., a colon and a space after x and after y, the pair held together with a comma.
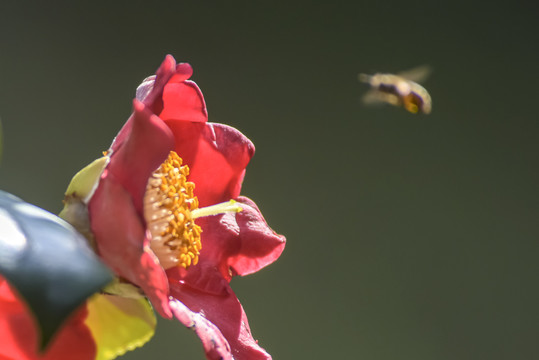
x: 143, y: 219
x: 20, y: 337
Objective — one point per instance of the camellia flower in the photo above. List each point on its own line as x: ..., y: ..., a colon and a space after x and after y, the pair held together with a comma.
x: 165, y: 212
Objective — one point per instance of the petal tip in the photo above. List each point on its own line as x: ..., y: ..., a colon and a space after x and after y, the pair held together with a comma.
x: 138, y: 106
x: 169, y: 63
x: 185, y: 69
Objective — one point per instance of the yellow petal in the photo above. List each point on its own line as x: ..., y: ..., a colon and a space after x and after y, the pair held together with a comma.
x: 119, y: 324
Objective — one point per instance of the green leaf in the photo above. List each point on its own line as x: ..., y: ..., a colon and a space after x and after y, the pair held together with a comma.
x: 47, y: 261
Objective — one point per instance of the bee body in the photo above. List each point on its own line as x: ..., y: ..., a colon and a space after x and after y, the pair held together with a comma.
x: 398, y: 90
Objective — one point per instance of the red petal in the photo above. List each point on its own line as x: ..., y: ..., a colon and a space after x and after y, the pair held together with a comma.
x: 183, y: 101
x: 163, y: 75
x: 146, y: 147
x: 18, y: 334
x: 153, y: 92
x: 213, y: 341
x: 218, y: 321
x: 236, y: 244
x: 217, y: 156
x: 259, y: 244
x: 122, y: 243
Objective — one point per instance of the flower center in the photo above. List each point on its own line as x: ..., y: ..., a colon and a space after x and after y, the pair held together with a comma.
x: 170, y: 208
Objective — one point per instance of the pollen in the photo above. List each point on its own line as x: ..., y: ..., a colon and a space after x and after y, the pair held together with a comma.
x: 168, y: 204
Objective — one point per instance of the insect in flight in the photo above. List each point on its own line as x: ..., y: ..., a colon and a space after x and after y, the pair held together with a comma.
x: 400, y: 90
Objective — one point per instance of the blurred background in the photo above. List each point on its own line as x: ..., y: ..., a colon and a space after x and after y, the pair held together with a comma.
x: 409, y: 236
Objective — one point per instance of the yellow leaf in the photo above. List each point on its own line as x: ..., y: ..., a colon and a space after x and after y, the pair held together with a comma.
x: 119, y: 324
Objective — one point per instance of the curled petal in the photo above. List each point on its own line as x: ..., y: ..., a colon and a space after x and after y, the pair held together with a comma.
x: 145, y: 88
x: 122, y: 242
x: 151, y: 90
x: 167, y: 72
x: 236, y: 244
x: 214, y: 343
x: 219, y: 321
x: 259, y: 244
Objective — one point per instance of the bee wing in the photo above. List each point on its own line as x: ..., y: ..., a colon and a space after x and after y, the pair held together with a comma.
x: 417, y: 74
x: 364, y: 78
x: 372, y: 97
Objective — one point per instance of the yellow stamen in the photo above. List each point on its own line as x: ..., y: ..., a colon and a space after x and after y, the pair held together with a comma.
x: 168, y: 203
x: 170, y: 208
x: 229, y: 206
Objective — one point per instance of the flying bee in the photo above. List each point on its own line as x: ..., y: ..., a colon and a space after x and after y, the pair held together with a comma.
x: 399, y: 90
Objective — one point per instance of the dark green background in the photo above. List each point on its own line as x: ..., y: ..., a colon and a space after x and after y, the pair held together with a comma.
x: 409, y: 237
